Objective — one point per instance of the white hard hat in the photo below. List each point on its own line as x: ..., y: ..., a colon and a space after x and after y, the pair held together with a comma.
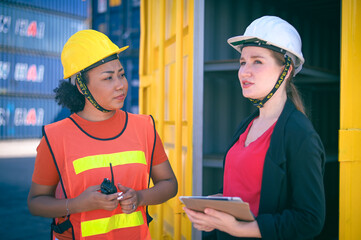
x: 274, y: 33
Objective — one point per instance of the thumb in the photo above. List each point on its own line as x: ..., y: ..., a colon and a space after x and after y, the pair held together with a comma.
x: 94, y: 188
x: 213, y: 213
x: 218, y: 214
x: 122, y: 188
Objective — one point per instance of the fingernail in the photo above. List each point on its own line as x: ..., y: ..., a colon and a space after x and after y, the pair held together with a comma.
x: 120, y: 194
x: 120, y: 198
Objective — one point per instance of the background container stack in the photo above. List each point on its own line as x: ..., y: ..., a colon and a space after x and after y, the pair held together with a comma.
x: 120, y: 21
x: 32, y: 35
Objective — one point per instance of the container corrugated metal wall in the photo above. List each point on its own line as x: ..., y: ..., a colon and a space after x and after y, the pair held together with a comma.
x: 73, y: 7
x: 23, y: 117
x: 28, y: 29
x: 316, y: 21
x: 120, y: 21
x: 350, y: 124
x: 166, y: 92
x: 29, y: 73
x: 32, y: 35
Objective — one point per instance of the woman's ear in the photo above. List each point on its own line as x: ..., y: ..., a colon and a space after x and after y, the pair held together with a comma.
x: 290, y: 71
x: 77, y: 86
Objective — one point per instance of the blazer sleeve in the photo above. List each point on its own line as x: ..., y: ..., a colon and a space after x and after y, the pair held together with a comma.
x: 304, y: 216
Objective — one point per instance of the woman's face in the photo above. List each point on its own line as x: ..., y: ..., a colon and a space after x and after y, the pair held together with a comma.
x: 108, y: 85
x: 258, y: 72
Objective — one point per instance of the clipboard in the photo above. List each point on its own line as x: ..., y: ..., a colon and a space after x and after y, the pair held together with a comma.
x: 231, y: 205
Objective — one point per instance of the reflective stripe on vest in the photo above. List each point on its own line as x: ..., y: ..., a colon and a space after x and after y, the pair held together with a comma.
x: 99, y: 161
x: 105, y: 225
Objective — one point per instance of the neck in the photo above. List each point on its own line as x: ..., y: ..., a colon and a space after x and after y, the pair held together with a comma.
x: 90, y: 113
x: 273, y: 107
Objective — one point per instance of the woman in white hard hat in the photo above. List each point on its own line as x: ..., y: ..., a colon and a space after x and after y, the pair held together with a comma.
x: 276, y: 159
x: 92, y: 170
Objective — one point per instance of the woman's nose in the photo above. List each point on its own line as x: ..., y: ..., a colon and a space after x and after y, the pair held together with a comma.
x: 244, y: 71
x: 120, y: 83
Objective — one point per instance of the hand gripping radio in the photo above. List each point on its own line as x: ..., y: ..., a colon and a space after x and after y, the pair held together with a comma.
x: 107, y: 187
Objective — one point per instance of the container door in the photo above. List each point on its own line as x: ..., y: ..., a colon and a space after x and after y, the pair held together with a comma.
x: 166, y: 92
x: 350, y: 122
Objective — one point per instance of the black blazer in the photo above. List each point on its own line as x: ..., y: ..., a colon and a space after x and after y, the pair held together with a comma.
x: 292, y: 202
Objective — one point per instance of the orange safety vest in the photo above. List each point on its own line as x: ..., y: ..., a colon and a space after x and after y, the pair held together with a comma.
x: 83, y: 161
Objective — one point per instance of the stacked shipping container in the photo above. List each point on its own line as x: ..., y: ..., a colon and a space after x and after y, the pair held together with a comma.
x: 32, y: 35
x: 120, y: 20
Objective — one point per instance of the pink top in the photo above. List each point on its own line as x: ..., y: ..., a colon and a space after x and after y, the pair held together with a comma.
x: 244, y: 168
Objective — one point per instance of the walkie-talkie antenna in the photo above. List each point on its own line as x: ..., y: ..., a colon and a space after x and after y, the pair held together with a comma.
x: 111, y: 170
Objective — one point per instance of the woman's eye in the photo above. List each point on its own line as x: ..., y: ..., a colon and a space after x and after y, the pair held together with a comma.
x: 108, y: 78
x: 243, y: 63
x: 258, y: 62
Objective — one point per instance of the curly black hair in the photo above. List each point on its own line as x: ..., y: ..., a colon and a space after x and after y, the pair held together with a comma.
x: 68, y: 95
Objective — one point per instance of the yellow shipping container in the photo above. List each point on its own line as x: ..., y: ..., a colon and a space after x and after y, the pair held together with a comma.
x: 350, y: 122
x: 166, y: 92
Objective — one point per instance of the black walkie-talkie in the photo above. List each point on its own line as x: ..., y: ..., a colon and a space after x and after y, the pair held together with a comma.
x: 107, y: 186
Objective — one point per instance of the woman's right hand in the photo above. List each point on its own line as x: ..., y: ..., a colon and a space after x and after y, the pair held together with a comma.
x: 199, y: 220
x: 92, y: 199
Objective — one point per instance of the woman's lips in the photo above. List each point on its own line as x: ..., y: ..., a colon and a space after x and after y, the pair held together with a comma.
x: 120, y: 97
x: 246, y: 84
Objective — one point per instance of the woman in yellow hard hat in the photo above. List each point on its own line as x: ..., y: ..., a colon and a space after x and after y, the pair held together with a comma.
x: 276, y: 159
x: 92, y: 169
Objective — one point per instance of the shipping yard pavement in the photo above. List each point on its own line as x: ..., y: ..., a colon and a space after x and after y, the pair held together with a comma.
x: 16, y: 168
x: 16, y: 222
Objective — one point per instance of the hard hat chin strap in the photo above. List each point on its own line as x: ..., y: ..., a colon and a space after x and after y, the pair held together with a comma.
x: 260, y: 103
x: 84, y: 89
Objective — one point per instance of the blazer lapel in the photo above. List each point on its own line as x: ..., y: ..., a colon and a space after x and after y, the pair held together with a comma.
x: 274, y: 172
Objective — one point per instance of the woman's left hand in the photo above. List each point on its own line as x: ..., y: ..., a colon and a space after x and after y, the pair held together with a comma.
x: 212, y: 219
x: 128, y: 200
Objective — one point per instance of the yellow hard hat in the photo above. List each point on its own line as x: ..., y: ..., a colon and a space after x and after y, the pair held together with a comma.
x: 85, y: 48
